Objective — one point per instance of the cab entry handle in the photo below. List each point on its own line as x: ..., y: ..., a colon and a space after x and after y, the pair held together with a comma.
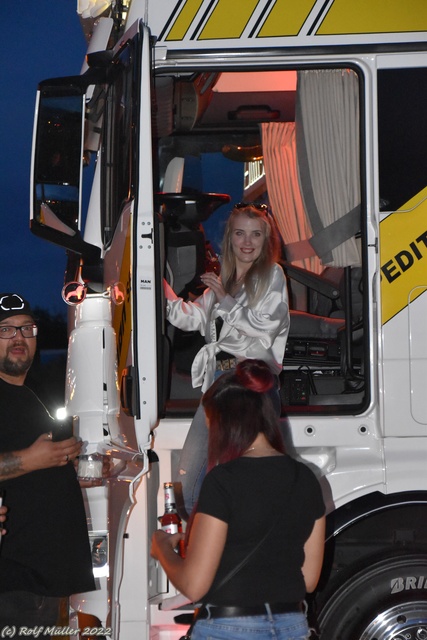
x: 127, y: 391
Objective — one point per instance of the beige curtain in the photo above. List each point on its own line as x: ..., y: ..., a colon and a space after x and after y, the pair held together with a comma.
x: 279, y: 150
x: 327, y: 125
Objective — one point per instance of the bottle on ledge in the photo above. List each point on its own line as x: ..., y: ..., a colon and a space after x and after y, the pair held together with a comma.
x: 170, y: 520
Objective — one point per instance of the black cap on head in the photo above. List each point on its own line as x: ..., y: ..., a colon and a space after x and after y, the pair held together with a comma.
x: 12, y: 304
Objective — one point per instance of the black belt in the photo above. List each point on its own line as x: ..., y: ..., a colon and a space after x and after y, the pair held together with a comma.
x: 211, y: 611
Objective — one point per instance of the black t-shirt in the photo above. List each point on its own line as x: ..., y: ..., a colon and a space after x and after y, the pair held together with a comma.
x: 252, y: 495
x: 46, y: 548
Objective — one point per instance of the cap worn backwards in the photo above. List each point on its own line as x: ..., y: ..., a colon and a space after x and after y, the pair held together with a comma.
x: 12, y: 304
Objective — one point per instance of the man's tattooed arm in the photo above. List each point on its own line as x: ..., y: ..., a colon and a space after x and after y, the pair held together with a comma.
x: 11, y: 465
x: 42, y: 454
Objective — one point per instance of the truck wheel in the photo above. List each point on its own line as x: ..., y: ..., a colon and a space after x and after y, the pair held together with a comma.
x: 386, y: 600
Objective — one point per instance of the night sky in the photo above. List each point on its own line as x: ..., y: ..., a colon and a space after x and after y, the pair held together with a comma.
x: 41, y: 39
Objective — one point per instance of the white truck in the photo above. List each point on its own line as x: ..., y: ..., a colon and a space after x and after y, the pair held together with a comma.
x: 318, y: 109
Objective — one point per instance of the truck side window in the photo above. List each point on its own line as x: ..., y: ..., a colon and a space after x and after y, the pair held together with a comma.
x: 402, y: 131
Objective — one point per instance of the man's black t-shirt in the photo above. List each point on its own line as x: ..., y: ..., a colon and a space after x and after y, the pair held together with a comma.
x: 252, y: 495
x: 46, y: 548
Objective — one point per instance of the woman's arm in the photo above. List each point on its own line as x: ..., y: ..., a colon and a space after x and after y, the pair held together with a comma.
x: 188, y: 316
x: 314, y: 549
x: 194, y: 574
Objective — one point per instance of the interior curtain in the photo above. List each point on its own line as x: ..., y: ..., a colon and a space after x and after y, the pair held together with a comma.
x: 327, y: 130
x: 279, y: 152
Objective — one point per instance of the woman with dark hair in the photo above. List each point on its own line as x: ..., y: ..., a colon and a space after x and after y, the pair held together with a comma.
x: 256, y: 541
x: 244, y: 395
x: 242, y: 314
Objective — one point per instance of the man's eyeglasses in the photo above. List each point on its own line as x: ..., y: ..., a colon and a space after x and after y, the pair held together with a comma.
x: 9, y: 331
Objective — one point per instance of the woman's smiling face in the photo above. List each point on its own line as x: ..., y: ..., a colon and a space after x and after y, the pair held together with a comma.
x: 247, y: 239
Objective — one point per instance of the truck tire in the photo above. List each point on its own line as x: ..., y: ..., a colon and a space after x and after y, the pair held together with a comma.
x: 385, y: 600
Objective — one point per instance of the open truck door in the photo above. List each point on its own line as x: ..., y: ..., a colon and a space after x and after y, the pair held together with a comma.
x: 90, y: 125
x: 70, y: 112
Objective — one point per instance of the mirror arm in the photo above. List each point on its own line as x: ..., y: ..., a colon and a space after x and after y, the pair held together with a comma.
x: 90, y: 253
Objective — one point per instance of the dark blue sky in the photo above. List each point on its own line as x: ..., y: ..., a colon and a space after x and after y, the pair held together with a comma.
x: 41, y: 39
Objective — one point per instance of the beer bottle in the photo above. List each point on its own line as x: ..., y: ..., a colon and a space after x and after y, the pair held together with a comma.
x: 170, y: 520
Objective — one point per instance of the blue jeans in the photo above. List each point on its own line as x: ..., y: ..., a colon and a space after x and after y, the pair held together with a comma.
x: 284, y: 626
x: 194, y: 457
x: 193, y: 462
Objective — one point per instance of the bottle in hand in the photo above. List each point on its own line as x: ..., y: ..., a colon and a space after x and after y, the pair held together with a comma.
x: 170, y: 520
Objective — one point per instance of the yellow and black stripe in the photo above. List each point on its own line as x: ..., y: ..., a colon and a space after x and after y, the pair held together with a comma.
x: 205, y: 20
x: 403, y: 242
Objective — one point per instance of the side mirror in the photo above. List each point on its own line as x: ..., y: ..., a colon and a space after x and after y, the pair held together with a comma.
x: 57, y: 164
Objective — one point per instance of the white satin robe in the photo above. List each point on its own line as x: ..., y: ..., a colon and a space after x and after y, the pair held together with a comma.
x: 258, y: 332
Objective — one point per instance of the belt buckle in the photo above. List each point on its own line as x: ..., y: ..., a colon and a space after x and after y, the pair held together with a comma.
x: 223, y: 365
x: 204, y: 613
x: 226, y: 365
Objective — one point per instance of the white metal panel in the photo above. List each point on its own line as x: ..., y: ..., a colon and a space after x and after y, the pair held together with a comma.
x: 406, y: 468
x: 418, y: 354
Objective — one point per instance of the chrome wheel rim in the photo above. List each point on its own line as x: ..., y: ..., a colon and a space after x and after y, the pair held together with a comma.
x: 402, y: 622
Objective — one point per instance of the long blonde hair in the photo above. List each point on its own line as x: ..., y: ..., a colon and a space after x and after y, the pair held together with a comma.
x: 256, y: 278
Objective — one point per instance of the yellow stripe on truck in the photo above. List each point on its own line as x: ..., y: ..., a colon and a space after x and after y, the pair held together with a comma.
x: 374, y: 16
x: 403, y: 255
x: 286, y: 18
x: 228, y: 20
x: 122, y: 316
x: 184, y: 19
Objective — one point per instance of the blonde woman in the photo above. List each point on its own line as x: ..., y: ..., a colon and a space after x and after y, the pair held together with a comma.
x: 242, y: 314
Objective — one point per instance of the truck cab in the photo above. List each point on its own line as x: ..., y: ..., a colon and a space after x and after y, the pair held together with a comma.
x: 318, y: 113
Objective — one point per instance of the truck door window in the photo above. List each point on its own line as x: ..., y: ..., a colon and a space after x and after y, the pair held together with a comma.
x: 118, y: 143
x: 218, y: 132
